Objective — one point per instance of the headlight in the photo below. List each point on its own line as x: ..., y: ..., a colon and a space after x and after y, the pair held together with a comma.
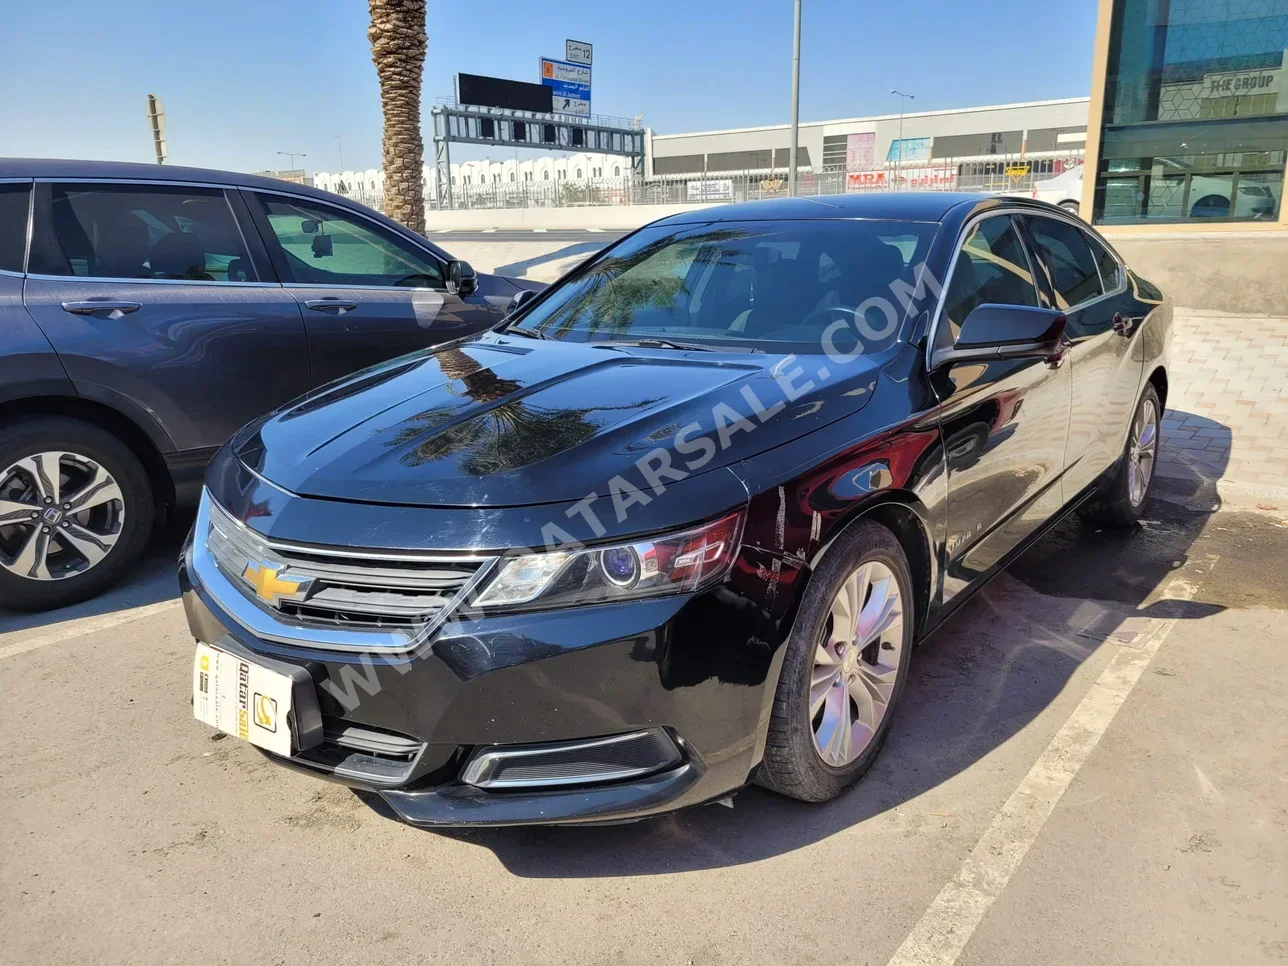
x: 672, y: 564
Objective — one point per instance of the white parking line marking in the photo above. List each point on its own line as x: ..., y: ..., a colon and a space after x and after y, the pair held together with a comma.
x: 594, y: 229
x: 88, y: 625
x: 489, y: 231
x: 947, y: 926
x: 443, y: 231
x: 540, y: 231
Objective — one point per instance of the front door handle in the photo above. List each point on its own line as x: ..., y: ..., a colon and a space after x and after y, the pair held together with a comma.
x: 1125, y: 325
x: 111, y: 308
x: 1056, y: 359
x: 333, y: 305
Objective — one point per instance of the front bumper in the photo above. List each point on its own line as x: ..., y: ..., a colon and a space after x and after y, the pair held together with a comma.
x: 702, y: 668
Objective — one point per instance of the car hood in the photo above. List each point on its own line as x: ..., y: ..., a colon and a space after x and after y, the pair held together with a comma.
x: 512, y: 421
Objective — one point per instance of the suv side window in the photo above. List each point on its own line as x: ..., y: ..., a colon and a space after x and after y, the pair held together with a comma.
x: 141, y: 231
x: 1066, y: 257
x: 1110, y: 272
x: 992, y: 267
x: 325, y: 245
x: 14, y: 202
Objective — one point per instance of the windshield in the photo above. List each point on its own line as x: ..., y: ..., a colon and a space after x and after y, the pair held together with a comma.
x: 775, y: 286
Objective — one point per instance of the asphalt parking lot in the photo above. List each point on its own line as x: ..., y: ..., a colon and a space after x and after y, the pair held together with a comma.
x: 1087, y: 768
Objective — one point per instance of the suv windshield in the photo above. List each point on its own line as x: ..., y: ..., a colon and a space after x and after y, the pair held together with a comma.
x: 776, y: 286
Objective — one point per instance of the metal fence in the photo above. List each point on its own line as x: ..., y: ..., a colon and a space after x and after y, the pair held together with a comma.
x: 994, y: 174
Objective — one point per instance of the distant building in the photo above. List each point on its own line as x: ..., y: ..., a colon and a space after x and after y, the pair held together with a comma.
x: 869, y: 145
x: 1189, y: 115
x: 295, y: 176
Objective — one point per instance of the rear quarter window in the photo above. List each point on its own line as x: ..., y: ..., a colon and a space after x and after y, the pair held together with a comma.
x: 14, y: 203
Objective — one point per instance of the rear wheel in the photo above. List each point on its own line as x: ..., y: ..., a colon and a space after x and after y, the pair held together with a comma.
x: 845, y: 668
x: 1123, y: 499
x: 76, y: 512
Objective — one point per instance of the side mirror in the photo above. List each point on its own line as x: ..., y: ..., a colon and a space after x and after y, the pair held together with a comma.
x: 993, y: 331
x: 310, y: 226
x: 322, y: 246
x: 520, y: 300
x: 461, y: 279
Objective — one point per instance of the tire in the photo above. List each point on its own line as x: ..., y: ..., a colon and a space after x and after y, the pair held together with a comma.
x: 794, y: 762
x: 1116, y: 504
x: 113, y: 528
x: 1211, y: 206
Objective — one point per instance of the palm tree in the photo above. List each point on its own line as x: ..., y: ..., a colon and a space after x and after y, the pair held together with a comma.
x: 398, y: 43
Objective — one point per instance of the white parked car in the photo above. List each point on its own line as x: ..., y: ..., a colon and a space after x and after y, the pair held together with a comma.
x: 1065, y: 189
x: 1209, y: 196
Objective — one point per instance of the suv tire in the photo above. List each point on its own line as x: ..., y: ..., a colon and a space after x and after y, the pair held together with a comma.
x: 95, y: 469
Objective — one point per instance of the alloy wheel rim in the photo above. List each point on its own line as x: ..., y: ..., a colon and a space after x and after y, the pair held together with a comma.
x: 856, y: 664
x: 61, y: 514
x: 1143, y: 449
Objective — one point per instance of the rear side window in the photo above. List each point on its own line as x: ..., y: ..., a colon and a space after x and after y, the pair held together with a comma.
x: 991, y: 268
x: 142, y: 231
x: 1066, y: 256
x: 1110, y: 273
x: 13, y: 225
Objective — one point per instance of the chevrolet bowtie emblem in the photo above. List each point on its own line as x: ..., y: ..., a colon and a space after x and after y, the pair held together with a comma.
x: 263, y: 576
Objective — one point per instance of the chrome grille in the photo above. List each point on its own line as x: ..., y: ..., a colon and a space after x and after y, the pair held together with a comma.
x: 337, y: 586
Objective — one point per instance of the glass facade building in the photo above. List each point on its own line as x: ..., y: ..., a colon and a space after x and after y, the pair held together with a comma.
x: 1194, y: 119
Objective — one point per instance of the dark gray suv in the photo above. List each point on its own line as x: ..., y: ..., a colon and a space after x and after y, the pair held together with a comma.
x: 147, y: 312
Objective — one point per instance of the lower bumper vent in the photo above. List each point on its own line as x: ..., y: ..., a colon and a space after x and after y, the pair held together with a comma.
x: 590, y: 762
x: 364, y: 754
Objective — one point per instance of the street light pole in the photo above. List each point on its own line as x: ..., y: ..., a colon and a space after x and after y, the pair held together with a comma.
x: 293, y: 155
x: 796, y: 100
x: 902, y: 99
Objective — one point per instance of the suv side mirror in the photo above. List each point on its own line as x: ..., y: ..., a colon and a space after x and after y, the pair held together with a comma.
x: 520, y: 299
x: 994, y: 331
x: 322, y: 246
x: 461, y: 279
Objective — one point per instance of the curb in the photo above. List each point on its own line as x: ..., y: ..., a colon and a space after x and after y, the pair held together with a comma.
x: 1220, y: 493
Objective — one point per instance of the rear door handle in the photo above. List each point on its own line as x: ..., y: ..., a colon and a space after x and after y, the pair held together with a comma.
x: 111, y: 308
x: 1125, y: 325
x: 336, y: 306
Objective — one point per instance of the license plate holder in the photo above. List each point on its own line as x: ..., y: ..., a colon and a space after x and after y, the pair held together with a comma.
x: 243, y: 698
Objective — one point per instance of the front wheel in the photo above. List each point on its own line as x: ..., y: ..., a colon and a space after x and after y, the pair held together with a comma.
x: 76, y: 512
x: 844, y: 670
x: 1123, y: 499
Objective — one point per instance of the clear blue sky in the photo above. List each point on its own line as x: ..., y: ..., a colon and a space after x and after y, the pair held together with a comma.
x: 243, y: 79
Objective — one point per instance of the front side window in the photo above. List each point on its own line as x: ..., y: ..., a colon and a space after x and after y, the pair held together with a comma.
x: 142, y: 232
x: 1066, y: 257
x: 321, y: 244
x: 776, y: 286
x: 991, y: 268
x: 14, y: 201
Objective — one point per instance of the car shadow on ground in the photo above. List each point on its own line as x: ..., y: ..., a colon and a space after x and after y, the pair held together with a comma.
x: 1194, y: 455
x: 152, y: 580
x: 987, y: 674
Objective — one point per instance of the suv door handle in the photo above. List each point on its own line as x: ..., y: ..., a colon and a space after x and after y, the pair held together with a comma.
x: 337, y: 306
x: 113, y: 307
x: 1125, y: 325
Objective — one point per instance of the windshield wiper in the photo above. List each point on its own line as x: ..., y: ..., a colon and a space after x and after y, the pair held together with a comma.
x: 520, y: 330
x: 654, y: 343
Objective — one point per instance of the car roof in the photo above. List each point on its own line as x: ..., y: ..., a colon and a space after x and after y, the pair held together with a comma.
x: 131, y: 171
x: 930, y: 206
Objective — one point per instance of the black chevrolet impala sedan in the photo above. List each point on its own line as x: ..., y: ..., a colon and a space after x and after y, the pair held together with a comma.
x: 678, y: 524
